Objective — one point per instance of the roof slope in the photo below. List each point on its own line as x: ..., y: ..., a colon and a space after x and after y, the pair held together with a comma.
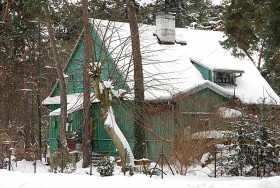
x: 204, y: 47
x: 168, y: 70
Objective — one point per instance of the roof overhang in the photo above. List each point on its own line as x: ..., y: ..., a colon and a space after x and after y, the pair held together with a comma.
x: 228, y: 70
x: 210, y: 85
x: 214, y: 69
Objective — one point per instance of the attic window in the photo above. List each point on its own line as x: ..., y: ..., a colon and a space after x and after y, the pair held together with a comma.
x: 223, y: 78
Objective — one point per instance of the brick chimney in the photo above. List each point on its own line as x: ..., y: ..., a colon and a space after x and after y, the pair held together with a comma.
x: 165, y: 28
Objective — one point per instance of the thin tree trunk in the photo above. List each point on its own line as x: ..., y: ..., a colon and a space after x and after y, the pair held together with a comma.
x: 39, y: 100
x: 86, y: 85
x: 6, y: 14
x: 29, y: 112
x: 63, y: 98
x: 260, y: 58
x: 139, y: 131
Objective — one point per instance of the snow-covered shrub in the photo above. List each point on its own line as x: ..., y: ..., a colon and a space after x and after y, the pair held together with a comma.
x: 241, y: 160
x: 188, y: 150
x: 130, y: 169
x: 65, y: 161
x: 106, y: 166
x: 255, y: 150
x: 206, y: 159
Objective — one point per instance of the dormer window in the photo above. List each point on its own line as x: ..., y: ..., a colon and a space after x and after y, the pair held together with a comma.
x: 223, y: 78
x: 226, y: 77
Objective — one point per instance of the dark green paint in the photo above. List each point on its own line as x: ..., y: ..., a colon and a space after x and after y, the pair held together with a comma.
x: 160, y: 126
x: 206, y: 73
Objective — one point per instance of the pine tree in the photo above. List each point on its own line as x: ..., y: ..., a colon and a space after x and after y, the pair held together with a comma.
x: 20, y: 61
x: 265, y: 142
x: 250, y: 27
x: 256, y: 143
x: 189, y: 13
x: 271, y: 69
x: 112, y: 10
x: 240, y: 28
x: 243, y: 155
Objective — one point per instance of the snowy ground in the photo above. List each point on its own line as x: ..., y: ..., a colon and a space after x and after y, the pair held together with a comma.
x: 22, y: 176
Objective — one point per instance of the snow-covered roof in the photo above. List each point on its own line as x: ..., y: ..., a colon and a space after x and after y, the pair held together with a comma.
x: 205, y: 48
x: 56, y: 99
x: 168, y: 69
x: 74, y: 102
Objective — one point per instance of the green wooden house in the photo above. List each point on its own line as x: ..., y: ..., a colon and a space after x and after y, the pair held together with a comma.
x: 184, y: 84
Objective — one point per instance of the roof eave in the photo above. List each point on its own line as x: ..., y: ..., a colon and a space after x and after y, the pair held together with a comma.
x: 209, y: 86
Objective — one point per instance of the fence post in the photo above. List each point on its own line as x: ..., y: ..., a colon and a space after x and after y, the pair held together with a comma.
x: 35, y: 162
x: 10, y: 159
x: 161, y: 161
x: 215, y: 167
x: 221, y: 163
x: 62, y: 160
x: 257, y: 160
x: 2, y: 156
x: 90, y: 172
x: 45, y: 152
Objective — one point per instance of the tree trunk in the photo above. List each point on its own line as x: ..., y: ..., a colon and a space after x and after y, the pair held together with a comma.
x: 39, y: 100
x: 6, y: 14
x: 63, y: 98
x: 118, y: 138
x: 139, y: 131
x: 86, y: 85
x: 110, y: 124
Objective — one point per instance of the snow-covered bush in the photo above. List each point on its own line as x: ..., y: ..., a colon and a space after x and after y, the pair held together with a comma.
x: 255, y: 150
x: 129, y: 168
x: 206, y: 159
x: 62, y: 163
x: 106, y: 166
